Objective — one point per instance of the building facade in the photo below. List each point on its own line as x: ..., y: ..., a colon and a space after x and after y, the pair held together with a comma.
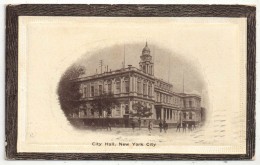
x: 132, y: 85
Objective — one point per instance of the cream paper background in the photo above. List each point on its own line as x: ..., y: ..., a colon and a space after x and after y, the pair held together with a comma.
x: 48, y: 45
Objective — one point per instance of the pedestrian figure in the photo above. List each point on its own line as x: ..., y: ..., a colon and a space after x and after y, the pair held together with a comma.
x: 178, y: 127
x: 183, y: 127
x: 139, y: 123
x: 145, y: 122
x: 150, y: 126
x: 93, y: 125
x: 160, y: 126
x: 165, y: 126
x: 189, y: 127
x: 109, y: 126
x: 194, y: 126
x: 133, y: 125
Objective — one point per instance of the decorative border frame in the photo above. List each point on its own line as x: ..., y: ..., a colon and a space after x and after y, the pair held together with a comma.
x: 11, y: 87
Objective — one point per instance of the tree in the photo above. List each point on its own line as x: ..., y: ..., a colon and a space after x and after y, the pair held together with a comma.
x: 141, y: 111
x: 104, y: 103
x: 203, y: 114
x: 68, y: 91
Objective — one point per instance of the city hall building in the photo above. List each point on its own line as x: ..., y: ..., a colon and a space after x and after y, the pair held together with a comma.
x: 131, y: 85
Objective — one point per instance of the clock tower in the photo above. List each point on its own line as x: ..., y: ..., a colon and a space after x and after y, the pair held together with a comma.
x: 146, y: 64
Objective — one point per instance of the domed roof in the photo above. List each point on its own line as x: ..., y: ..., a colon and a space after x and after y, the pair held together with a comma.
x: 146, y: 48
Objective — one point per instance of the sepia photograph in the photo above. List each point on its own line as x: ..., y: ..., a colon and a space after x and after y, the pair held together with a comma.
x: 132, y: 85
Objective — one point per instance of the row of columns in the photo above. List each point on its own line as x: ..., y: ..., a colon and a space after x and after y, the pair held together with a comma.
x: 170, y: 115
x: 147, y: 68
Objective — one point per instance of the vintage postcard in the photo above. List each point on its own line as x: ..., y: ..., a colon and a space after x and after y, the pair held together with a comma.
x: 132, y: 85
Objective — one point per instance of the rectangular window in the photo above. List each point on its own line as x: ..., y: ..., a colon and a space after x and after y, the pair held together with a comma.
x: 126, y: 86
x: 96, y: 90
x: 190, y: 102
x: 144, y: 89
x: 117, y: 111
x: 139, y: 87
x: 92, y: 91
x: 118, y: 87
x: 100, y: 90
x: 88, y: 93
x: 149, y: 90
x: 85, y: 92
x: 190, y: 115
x: 126, y: 109
x: 109, y: 86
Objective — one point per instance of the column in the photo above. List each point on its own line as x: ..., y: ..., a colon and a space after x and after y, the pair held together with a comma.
x: 130, y: 84
x: 147, y: 88
x: 153, y: 94
x: 121, y: 84
x: 135, y: 84
x: 130, y: 106
x: 142, y: 85
x: 136, y: 79
x: 113, y: 86
x: 154, y: 112
x: 162, y: 114
x: 121, y: 109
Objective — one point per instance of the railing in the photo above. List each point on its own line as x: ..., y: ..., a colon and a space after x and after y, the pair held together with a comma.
x: 110, y: 73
